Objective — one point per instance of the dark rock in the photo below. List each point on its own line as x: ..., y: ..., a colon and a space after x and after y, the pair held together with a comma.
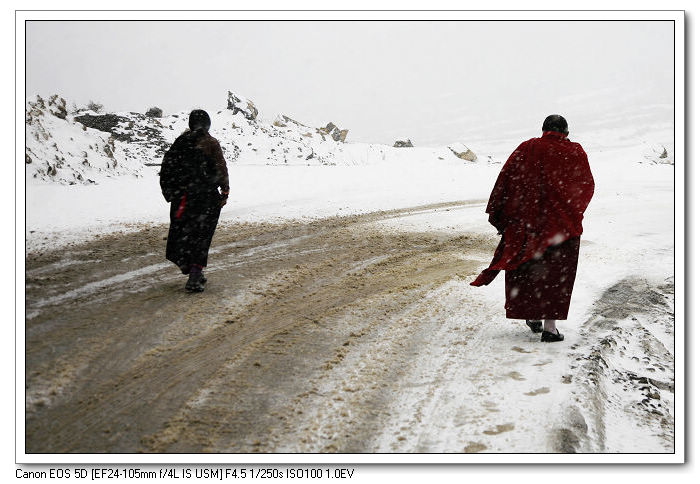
x: 57, y: 106
x: 336, y: 133
x: 154, y: 112
x: 103, y: 122
x: 339, y: 134
x: 403, y: 143
x: 126, y: 130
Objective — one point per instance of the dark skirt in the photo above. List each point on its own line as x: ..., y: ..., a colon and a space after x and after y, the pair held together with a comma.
x: 541, y: 288
x: 192, y: 225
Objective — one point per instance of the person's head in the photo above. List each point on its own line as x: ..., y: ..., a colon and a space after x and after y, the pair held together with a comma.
x: 199, y: 120
x: 555, y: 122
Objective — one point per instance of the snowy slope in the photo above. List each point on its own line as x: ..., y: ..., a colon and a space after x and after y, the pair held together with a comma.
x: 59, y: 149
x: 86, y: 147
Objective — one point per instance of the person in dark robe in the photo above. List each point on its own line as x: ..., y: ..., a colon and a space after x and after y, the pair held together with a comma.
x: 537, y: 206
x: 194, y: 179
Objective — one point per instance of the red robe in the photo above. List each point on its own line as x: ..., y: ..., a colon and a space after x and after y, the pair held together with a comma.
x: 538, y: 201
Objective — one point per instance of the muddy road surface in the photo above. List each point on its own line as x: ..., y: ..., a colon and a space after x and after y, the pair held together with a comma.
x: 120, y: 359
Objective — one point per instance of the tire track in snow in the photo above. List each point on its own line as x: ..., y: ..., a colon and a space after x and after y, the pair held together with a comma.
x: 623, y: 373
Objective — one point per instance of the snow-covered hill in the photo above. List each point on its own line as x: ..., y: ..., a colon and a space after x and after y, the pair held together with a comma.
x: 85, y: 147
x: 58, y: 148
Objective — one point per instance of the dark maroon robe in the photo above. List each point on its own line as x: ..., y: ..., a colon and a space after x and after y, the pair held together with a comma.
x: 537, y: 204
x: 192, y: 172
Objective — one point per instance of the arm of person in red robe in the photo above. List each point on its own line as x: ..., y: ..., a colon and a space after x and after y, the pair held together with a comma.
x: 500, y: 192
x: 582, y: 184
x: 494, y: 207
x: 570, y: 189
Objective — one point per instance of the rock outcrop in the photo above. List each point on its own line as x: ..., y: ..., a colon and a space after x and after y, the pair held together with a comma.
x: 58, y: 149
x: 242, y: 105
x: 136, y: 129
x: 54, y: 105
x: 57, y: 106
x: 334, y: 132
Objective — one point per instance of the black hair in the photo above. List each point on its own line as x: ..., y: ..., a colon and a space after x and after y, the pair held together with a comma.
x: 555, y: 122
x: 199, y: 119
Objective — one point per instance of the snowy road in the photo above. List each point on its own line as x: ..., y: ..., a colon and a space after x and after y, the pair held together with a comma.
x: 344, y: 334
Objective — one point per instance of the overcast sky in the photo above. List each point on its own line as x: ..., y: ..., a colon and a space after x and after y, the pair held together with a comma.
x: 435, y: 82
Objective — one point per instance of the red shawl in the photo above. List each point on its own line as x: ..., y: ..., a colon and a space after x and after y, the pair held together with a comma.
x: 538, y: 200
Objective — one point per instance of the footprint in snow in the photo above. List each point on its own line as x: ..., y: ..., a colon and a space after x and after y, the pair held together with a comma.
x: 474, y: 447
x: 500, y: 429
x: 539, y: 391
x: 491, y: 406
x: 515, y: 376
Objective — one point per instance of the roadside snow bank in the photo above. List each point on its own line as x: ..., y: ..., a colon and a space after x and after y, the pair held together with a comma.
x: 56, y: 215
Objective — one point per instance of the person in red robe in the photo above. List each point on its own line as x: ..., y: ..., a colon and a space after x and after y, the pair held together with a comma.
x: 537, y: 206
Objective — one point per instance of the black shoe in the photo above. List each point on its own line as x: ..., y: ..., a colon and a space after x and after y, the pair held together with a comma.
x: 203, y: 280
x: 194, y: 283
x: 535, y: 326
x: 548, y: 337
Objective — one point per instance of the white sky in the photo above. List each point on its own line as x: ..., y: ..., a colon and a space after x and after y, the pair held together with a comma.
x: 435, y: 82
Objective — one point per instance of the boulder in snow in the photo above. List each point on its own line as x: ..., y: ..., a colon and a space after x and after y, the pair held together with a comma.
x: 334, y: 131
x: 659, y: 154
x: 328, y: 129
x: 403, y: 143
x: 154, y: 112
x: 462, y: 152
x: 339, y: 134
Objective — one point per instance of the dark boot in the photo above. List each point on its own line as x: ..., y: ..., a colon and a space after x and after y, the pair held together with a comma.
x: 195, y: 283
x: 535, y: 326
x: 548, y: 337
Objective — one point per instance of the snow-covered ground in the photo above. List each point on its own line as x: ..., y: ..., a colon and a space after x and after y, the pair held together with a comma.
x: 628, y: 247
x: 57, y: 214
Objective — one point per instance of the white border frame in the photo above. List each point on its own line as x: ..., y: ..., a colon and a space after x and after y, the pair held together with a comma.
x: 238, y: 459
